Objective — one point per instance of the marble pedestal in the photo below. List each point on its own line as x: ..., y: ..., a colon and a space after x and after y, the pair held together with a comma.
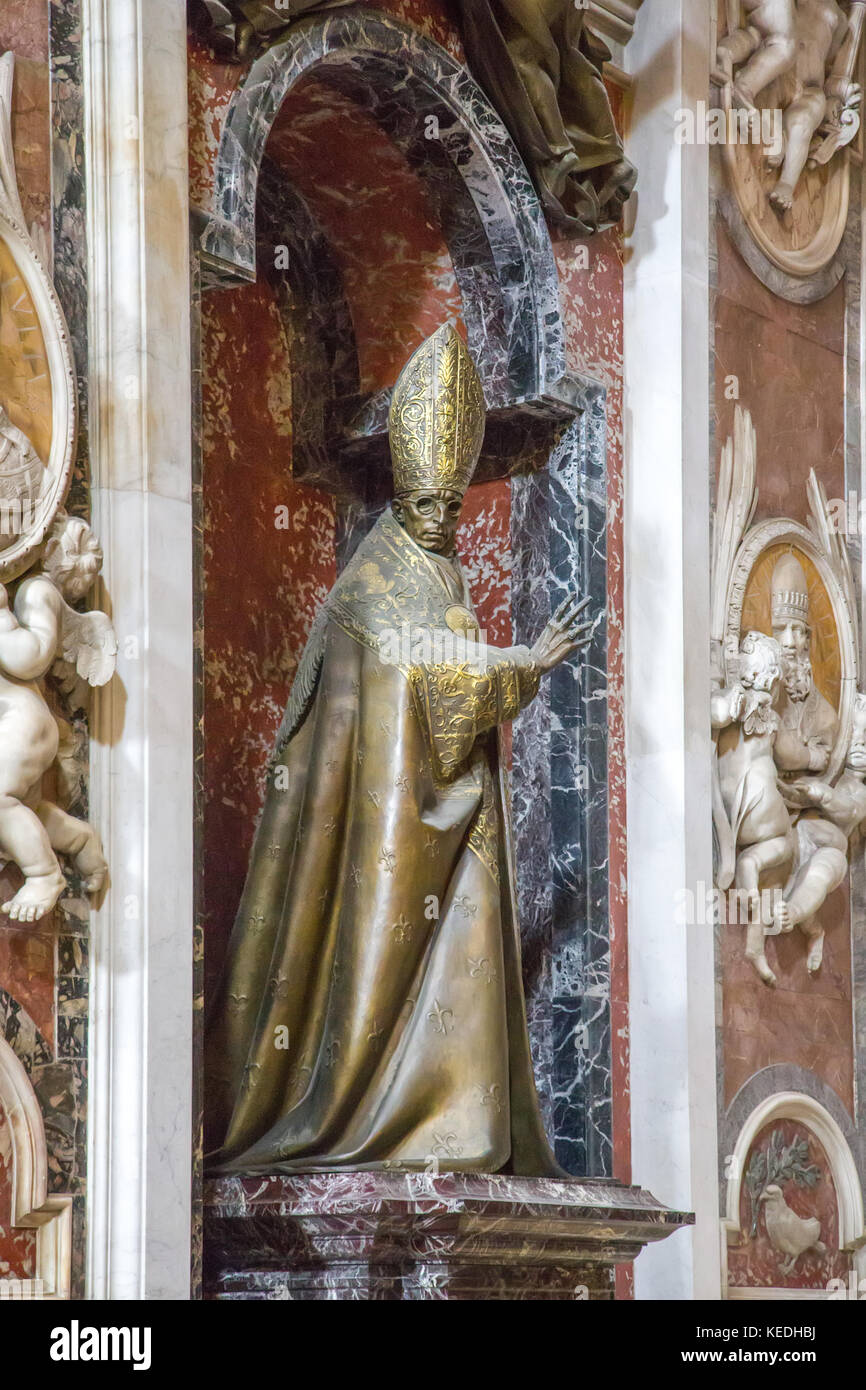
x: 410, y: 1236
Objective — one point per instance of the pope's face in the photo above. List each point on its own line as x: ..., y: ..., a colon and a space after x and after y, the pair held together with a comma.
x: 792, y: 636
x: 430, y: 516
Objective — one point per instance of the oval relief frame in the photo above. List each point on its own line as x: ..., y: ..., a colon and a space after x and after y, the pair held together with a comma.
x: 786, y: 533
x: 776, y: 236
x: 41, y: 338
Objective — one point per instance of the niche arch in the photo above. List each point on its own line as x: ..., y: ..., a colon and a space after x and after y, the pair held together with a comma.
x: 546, y: 431
x: 490, y: 216
x: 808, y: 1111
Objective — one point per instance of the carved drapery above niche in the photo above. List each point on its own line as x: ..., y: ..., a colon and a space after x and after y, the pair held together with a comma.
x: 615, y: 19
x: 540, y: 67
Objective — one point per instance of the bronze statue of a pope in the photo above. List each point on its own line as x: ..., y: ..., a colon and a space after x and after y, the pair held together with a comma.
x: 371, y: 1013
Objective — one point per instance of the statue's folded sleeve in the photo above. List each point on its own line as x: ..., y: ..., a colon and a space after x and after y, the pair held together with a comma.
x: 456, y: 702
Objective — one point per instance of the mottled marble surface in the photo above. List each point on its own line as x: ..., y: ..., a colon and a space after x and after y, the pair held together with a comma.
x: 353, y: 178
x: 255, y: 616
x: 804, y: 1021
x: 507, y: 275
x: 23, y: 30
x: 422, y: 1236
x: 591, y: 290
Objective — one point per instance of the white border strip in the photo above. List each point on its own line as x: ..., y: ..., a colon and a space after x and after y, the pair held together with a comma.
x: 667, y: 557
x: 141, y: 752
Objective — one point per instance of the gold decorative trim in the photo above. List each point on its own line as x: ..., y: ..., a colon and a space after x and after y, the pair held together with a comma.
x: 436, y: 420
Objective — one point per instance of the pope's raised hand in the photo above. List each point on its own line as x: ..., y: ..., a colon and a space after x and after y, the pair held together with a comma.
x: 567, y: 632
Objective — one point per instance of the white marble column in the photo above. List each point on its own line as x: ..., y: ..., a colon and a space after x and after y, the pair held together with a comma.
x: 672, y: 995
x: 141, y: 762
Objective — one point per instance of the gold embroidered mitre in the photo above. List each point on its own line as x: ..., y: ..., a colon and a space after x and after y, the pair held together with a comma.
x: 436, y: 422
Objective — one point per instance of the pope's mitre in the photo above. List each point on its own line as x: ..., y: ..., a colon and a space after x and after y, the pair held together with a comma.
x: 789, y: 591
x: 436, y: 421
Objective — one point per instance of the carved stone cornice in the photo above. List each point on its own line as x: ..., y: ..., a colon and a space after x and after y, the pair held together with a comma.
x: 615, y: 19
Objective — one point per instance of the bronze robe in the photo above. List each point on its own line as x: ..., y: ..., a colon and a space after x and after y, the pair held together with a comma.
x: 542, y: 69
x: 371, y: 1013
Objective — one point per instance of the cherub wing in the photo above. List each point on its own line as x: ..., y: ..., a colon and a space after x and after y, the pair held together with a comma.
x: 88, y: 643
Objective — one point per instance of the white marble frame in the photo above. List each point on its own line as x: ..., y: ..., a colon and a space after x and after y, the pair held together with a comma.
x: 672, y: 1002
x: 797, y: 1105
x: 141, y: 789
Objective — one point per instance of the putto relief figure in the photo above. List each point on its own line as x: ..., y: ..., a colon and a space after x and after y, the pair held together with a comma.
x: 776, y: 815
x: 43, y: 632
x: 762, y: 49
x: 371, y: 1013
x: 810, y: 47
x: 787, y: 79
x: 840, y: 808
x: 757, y: 814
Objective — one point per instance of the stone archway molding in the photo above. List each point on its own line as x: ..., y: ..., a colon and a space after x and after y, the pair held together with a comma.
x: 797, y: 1105
x: 495, y: 228
x: 32, y: 1206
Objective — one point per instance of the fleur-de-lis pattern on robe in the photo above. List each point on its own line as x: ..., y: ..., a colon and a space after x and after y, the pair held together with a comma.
x: 353, y: 944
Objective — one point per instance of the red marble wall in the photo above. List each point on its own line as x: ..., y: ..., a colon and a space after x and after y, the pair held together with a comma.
x: 17, y: 1245
x: 393, y: 260
x: 24, y: 31
x: 789, y: 365
x: 263, y: 579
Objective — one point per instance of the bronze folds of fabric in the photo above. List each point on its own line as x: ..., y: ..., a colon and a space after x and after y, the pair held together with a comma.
x: 372, y: 1013
x: 541, y: 67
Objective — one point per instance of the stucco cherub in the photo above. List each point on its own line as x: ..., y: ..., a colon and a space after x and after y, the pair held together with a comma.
x: 757, y: 815
x: 809, y: 43
x: 822, y: 26
x: 44, y: 632
x: 766, y: 46
x: 842, y: 810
